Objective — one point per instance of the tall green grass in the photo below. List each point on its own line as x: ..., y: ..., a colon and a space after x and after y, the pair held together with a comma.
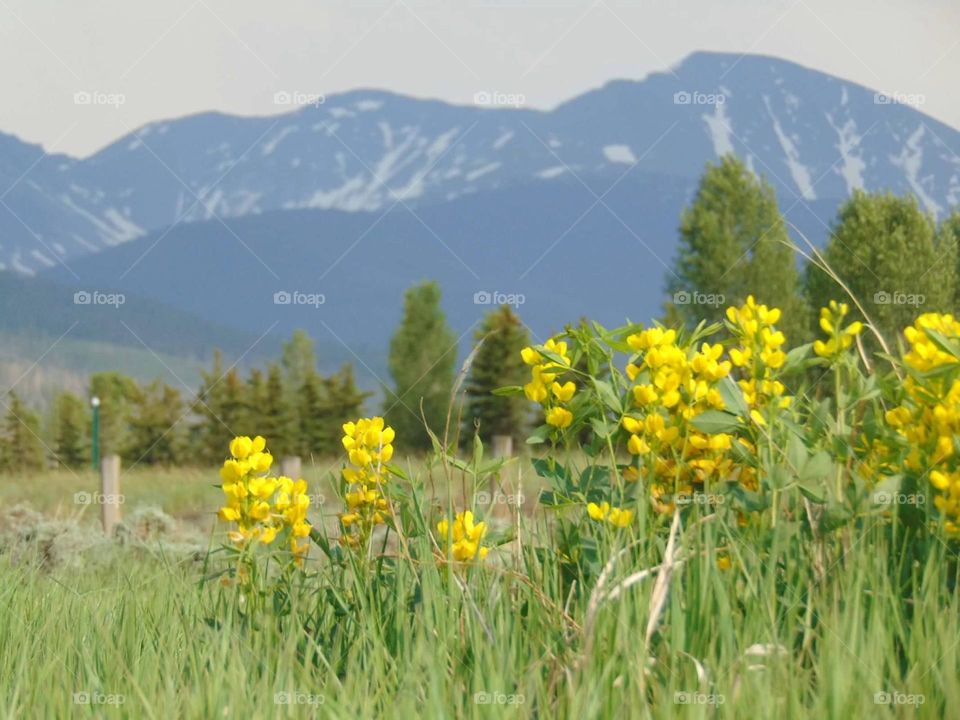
x: 787, y: 631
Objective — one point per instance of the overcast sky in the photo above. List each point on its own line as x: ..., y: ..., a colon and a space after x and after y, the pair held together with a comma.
x: 143, y: 60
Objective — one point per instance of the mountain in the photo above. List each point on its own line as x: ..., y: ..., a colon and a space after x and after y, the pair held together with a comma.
x: 816, y: 137
x: 341, y: 275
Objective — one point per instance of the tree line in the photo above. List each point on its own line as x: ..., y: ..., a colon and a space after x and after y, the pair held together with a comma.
x: 886, y: 250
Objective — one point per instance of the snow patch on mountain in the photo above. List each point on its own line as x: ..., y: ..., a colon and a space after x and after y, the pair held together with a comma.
x: 718, y: 125
x: 551, y: 172
x: 504, y: 138
x: 799, y: 172
x: 619, y: 154
x: 270, y: 145
x: 910, y: 160
x: 848, y: 144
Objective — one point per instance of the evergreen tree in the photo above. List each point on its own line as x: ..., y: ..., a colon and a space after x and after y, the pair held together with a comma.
x: 211, y: 434
x: 22, y: 450
x: 311, y: 440
x: 71, y: 430
x: 734, y: 243
x: 236, y: 411
x: 342, y: 402
x: 277, y: 421
x: 157, y: 426
x: 498, y: 364
x: 299, y: 361
x: 117, y: 393
x: 422, y: 357
x: 948, y: 235
x: 890, y: 255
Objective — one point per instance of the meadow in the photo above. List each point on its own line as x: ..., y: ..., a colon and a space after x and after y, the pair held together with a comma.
x: 699, y: 527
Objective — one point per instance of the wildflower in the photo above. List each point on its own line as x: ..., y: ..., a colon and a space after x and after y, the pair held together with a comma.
x: 261, y: 506
x: 839, y: 338
x: 463, y: 537
x: 369, y: 446
x: 928, y: 420
x: 559, y: 417
x: 618, y: 517
x: 545, y: 387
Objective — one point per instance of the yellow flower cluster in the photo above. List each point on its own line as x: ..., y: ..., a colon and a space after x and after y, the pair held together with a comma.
x: 463, y: 537
x: 839, y: 338
x: 369, y: 446
x: 672, y: 386
x: 618, y: 517
x: 758, y: 356
x: 929, y: 418
x: 262, y: 506
x: 544, y: 386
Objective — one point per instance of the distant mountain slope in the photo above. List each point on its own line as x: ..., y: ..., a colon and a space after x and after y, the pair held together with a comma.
x: 575, y: 257
x: 815, y: 136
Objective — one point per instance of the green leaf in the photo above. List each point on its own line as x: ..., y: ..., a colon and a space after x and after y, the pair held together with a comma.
x: 732, y: 396
x: 602, y: 427
x: 607, y: 395
x: 508, y: 391
x: 715, y: 421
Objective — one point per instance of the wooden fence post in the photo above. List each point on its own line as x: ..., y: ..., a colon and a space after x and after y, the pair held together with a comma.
x: 502, y: 446
x: 110, y: 497
x: 290, y: 467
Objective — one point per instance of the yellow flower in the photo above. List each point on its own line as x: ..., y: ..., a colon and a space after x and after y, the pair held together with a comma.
x: 618, y: 517
x: 563, y: 393
x: 464, y: 537
x: 241, y: 447
x: 559, y: 417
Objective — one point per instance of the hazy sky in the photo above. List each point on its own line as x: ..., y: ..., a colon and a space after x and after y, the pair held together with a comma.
x: 142, y: 60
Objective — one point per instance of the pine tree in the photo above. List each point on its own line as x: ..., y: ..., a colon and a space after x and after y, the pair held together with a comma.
x: 277, y: 421
x: 422, y: 357
x: 117, y: 393
x: 299, y: 361
x: 157, y: 426
x: 948, y: 235
x: 342, y: 402
x: 890, y: 255
x: 311, y: 440
x: 211, y: 434
x: 498, y: 364
x: 734, y: 243
x: 22, y: 449
x: 236, y: 411
x: 71, y: 430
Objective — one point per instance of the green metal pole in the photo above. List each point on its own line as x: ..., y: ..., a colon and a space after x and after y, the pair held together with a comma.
x: 95, y: 447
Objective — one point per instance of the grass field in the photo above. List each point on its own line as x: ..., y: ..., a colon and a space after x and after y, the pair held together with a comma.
x: 780, y: 633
